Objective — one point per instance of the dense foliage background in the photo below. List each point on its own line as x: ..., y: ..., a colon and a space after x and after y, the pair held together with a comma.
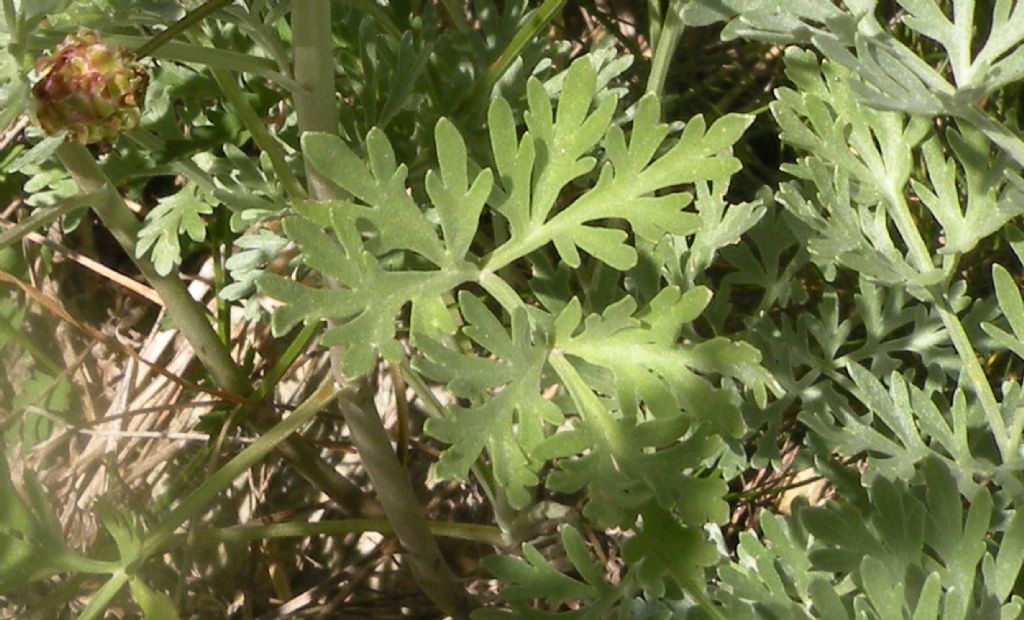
x: 561, y: 309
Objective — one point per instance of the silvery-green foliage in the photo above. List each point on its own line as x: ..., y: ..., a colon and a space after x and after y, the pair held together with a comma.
x: 181, y: 212
x: 982, y: 44
x: 882, y: 360
x: 638, y: 413
x: 403, y: 87
x: 253, y: 253
x: 901, y: 550
x: 850, y: 198
x: 618, y: 342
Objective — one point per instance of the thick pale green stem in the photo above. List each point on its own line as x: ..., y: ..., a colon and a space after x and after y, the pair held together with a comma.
x: 315, y: 102
x: 317, y: 111
x: 397, y: 497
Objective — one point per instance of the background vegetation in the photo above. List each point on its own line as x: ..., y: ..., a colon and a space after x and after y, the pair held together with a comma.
x: 317, y: 337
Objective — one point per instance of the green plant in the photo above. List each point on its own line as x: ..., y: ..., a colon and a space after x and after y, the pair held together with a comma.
x: 607, y: 329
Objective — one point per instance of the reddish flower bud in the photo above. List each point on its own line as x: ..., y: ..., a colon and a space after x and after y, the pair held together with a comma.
x: 90, y: 89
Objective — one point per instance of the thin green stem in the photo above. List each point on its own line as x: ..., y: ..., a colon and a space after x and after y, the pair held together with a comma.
x: 103, y: 597
x: 516, y: 248
x: 267, y: 143
x: 283, y: 363
x: 212, y: 57
x: 455, y: 12
x: 922, y: 259
x: 186, y: 168
x: 433, y: 406
x: 920, y: 255
x: 665, y: 47
x: 1014, y: 435
x: 217, y: 239
x: 74, y: 562
x: 340, y: 527
x: 533, y: 27
x: 43, y: 217
x: 590, y: 407
x: 206, y: 492
x: 654, y: 21
x: 500, y: 290
x: 750, y: 495
x: 262, y: 34
x: 192, y: 18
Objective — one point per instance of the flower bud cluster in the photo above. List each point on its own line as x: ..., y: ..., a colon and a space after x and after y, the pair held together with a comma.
x: 90, y: 89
